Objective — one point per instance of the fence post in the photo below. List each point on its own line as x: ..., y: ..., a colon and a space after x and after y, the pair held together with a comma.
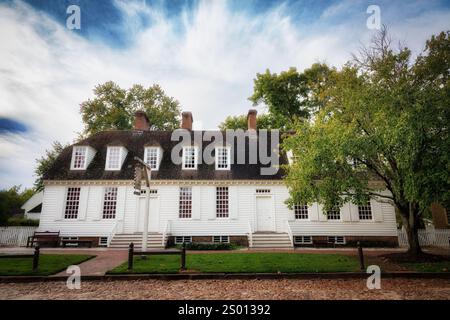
x: 361, y: 256
x: 183, y: 256
x: 36, y: 258
x: 130, y: 256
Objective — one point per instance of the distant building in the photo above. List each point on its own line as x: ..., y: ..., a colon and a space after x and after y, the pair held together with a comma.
x: 33, y: 206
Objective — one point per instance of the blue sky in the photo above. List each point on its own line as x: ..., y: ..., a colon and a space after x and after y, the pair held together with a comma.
x: 203, y: 53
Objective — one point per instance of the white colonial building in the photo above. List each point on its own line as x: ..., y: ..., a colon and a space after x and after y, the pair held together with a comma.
x: 89, y: 194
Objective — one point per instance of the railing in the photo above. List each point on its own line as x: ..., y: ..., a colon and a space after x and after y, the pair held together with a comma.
x: 289, y: 231
x: 165, y: 233
x: 112, y: 233
x: 428, y: 237
x: 15, y: 236
x: 250, y: 235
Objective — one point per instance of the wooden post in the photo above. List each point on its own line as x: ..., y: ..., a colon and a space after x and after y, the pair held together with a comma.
x: 183, y: 256
x: 36, y: 258
x: 361, y: 256
x: 130, y: 256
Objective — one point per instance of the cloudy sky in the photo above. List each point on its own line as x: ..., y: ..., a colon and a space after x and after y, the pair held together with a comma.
x: 203, y: 53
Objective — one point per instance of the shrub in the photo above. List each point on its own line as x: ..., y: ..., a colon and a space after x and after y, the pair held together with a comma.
x: 21, y: 221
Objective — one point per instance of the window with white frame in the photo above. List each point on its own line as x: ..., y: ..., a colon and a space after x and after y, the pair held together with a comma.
x: 302, y: 239
x: 72, y: 203
x: 110, y: 203
x: 336, y: 239
x: 301, y: 211
x: 365, y: 211
x: 190, y: 157
x: 223, y: 158
x: 114, y: 158
x: 262, y: 191
x: 152, y: 157
x: 183, y: 239
x: 79, y: 158
x: 103, y: 241
x: 222, y: 207
x: 334, y: 214
x: 221, y: 239
x: 185, y: 209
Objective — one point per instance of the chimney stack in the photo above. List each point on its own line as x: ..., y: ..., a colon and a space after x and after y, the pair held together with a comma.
x: 186, y: 120
x: 251, y: 119
x: 141, y: 121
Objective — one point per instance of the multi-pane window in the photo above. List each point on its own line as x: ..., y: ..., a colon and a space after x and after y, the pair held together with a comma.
x: 183, y: 239
x: 334, y: 214
x: 103, y: 241
x: 301, y: 211
x: 302, y: 239
x: 222, y: 202
x: 221, y: 239
x: 336, y: 239
x: 152, y: 157
x: 79, y: 158
x: 189, y: 158
x: 365, y: 211
x: 110, y: 203
x: 262, y: 191
x: 72, y: 203
x: 222, y: 158
x: 185, y: 209
x: 113, y: 158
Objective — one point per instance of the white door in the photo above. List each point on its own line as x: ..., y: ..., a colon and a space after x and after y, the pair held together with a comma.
x: 153, y: 218
x: 264, y: 214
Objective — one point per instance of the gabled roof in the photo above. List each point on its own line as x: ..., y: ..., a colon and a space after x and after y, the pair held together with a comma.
x: 135, y: 142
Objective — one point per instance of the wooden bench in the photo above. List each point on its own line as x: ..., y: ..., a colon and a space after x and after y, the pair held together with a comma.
x: 65, y: 242
x: 41, y: 237
x: 132, y: 253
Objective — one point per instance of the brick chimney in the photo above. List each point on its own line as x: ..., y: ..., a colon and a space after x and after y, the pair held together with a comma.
x: 141, y: 121
x: 186, y: 120
x: 251, y: 119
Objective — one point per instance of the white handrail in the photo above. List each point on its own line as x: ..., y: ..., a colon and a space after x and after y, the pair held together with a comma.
x: 165, y: 232
x: 289, y: 231
x: 250, y: 235
x: 113, y: 232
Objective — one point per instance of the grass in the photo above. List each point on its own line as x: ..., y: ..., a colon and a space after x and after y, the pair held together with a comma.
x: 443, y: 266
x: 48, y: 264
x: 243, y: 263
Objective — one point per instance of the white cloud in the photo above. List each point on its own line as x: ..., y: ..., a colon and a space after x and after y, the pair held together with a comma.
x: 209, y: 66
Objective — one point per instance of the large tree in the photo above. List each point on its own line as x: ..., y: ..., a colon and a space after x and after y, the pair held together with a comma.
x: 384, y: 118
x: 44, y: 163
x: 264, y: 121
x: 11, y: 200
x: 113, y: 108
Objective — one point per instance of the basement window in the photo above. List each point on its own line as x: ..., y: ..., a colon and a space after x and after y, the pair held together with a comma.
x: 302, y: 239
x: 183, y: 239
x: 221, y: 239
x: 71, y: 239
x: 336, y: 240
x: 103, y: 241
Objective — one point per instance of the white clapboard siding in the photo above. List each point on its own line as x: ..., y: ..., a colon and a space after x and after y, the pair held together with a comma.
x: 15, y: 236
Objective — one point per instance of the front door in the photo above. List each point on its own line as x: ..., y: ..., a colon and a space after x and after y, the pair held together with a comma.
x: 153, y: 218
x: 264, y: 214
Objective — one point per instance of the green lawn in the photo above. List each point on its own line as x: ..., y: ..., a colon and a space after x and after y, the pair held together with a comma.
x: 48, y: 264
x: 443, y: 266
x: 243, y: 262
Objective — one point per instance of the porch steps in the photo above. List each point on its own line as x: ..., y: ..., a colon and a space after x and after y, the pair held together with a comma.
x: 123, y: 240
x: 271, y: 240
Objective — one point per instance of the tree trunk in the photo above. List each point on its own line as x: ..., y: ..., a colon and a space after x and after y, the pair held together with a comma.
x: 411, y: 221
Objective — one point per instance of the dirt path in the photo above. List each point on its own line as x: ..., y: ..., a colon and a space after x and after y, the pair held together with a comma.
x: 232, y: 289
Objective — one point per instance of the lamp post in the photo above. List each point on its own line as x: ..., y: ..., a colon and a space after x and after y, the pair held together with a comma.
x: 144, y: 171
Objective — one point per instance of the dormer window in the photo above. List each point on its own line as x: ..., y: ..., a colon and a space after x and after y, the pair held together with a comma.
x: 190, y: 158
x: 152, y: 157
x: 223, y: 158
x: 79, y: 155
x: 115, y: 157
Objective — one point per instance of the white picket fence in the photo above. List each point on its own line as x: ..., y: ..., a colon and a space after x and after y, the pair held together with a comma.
x: 427, y: 237
x: 15, y: 236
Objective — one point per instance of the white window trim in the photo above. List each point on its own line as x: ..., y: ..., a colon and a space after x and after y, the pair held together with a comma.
x: 103, y: 204
x: 72, y: 162
x: 158, y: 156
x: 303, y: 240
x: 183, y: 239
x: 221, y: 239
x: 216, y: 157
x: 107, y: 167
x: 195, y: 158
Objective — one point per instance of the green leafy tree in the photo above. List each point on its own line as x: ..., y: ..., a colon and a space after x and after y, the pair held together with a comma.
x: 44, y: 163
x: 291, y: 95
x: 11, y: 200
x: 264, y: 121
x: 383, y: 126
x: 114, y: 107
